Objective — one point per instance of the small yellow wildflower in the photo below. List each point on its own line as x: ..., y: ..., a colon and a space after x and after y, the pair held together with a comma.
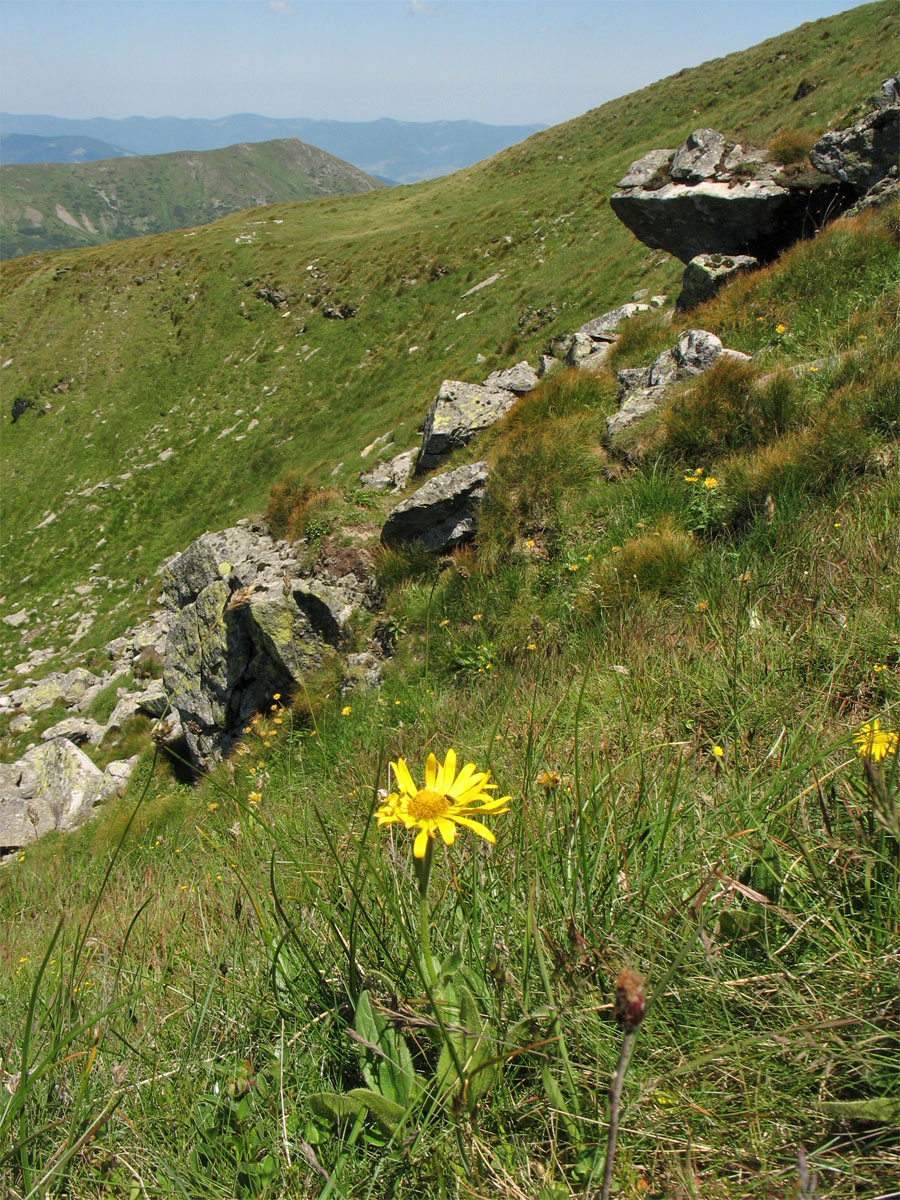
x: 212, y: 807
x: 529, y: 542
x: 476, y: 616
x: 779, y: 328
x: 531, y: 646
x: 573, y: 566
x: 702, y: 606
x: 23, y: 959
x: 878, y: 667
x: 718, y: 751
x: 446, y: 621
x: 276, y: 696
x: 448, y: 799
x: 547, y: 779
x: 691, y: 478
x: 277, y: 721
x: 346, y: 710
x: 710, y: 481
x: 247, y: 729
x: 254, y: 797
x: 813, y: 369
x: 874, y: 742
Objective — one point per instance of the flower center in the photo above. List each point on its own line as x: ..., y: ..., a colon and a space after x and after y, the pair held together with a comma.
x: 427, y: 805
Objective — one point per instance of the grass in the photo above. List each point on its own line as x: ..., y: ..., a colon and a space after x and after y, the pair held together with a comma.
x: 236, y: 1002
x: 220, y: 990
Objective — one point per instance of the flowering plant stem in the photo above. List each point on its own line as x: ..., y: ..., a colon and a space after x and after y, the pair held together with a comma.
x: 615, y: 1096
x: 423, y: 875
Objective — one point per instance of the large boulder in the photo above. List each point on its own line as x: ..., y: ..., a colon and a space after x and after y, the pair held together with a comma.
x: 247, y: 622
x: 712, y: 196
x: 53, y: 786
x: 456, y: 414
x: 442, y: 514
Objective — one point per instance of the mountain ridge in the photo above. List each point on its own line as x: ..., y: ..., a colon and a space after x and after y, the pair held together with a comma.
x: 401, y: 151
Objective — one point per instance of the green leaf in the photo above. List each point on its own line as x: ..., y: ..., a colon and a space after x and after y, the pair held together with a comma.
x: 336, y: 1108
x: 386, y: 1112
x: 468, y: 1046
x: 879, y: 1110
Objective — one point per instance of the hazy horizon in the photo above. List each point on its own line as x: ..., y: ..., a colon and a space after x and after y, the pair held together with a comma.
x: 499, y: 62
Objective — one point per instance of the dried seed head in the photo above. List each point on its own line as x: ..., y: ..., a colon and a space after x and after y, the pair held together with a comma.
x: 630, y: 1002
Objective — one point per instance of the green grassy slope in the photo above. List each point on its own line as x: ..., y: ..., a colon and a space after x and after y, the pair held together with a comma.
x: 664, y: 649
x: 57, y: 206
x: 162, y: 343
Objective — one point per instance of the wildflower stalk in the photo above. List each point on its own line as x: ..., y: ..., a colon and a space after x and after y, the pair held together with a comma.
x: 423, y: 875
x: 630, y: 1009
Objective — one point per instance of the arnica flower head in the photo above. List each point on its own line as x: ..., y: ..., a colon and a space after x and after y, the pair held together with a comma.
x: 874, y: 742
x: 446, y: 800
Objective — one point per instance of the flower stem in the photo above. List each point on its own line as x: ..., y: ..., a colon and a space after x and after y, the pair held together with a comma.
x: 423, y: 874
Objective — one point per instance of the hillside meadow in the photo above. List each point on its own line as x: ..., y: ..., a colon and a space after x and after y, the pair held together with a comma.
x: 676, y: 653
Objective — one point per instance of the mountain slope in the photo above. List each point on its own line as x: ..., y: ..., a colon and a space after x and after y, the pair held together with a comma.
x: 400, y: 151
x: 53, y: 206
x: 173, y: 343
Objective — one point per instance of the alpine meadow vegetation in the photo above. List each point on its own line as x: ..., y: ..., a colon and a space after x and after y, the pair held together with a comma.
x: 598, y: 893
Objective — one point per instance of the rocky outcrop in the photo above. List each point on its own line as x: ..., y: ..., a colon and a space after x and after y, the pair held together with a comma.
x: 712, y: 196
x: 866, y: 152
x: 457, y: 413
x: 643, y: 390
x: 442, y: 514
x: 392, y: 476
x: 706, y: 274
x: 246, y: 622
x: 54, y: 786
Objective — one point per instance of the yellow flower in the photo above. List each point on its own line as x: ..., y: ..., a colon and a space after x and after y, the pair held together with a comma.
x: 718, y: 752
x: 702, y: 605
x: 878, y: 667
x: 212, y: 807
x: 710, y: 481
x: 779, y: 328
x: 874, y: 742
x: 529, y: 542
x: 446, y: 800
x: 573, y: 566
x: 346, y: 710
x: 276, y: 696
x: 547, y: 779
x: 254, y: 797
x: 531, y: 646
x: 476, y: 616
x: 446, y: 621
x: 692, y: 479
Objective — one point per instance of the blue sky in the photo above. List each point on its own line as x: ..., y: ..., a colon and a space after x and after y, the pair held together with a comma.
x: 499, y: 61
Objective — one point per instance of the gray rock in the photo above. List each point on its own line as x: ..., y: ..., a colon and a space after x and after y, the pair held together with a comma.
x: 20, y: 723
x: 76, y: 729
x: 116, y: 777
x: 443, y: 513
x: 865, y: 153
x: 696, y: 351
x: 698, y: 157
x: 697, y: 206
x: 363, y: 672
x: 393, y: 475
x: 246, y: 622
x: 644, y: 389
x: 457, y: 413
x: 706, y: 274
x: 66, y: 687
x: 644, y: 169
x: 519, y: 379
x: 53, y: 786
x: 607, y: 323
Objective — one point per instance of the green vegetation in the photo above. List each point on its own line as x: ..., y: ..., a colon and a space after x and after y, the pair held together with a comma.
x: 57, y: 206
x: 671, y: 652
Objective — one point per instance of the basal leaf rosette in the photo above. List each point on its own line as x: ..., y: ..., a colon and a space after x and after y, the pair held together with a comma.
x: 446, y: 801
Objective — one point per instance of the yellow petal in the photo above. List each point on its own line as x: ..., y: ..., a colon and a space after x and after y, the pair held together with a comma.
x: 447, y: 830
x: 476, y: 827
x: 421, y: 843
x: 431, y: 772
x: 403, y: 777
x: 449, y: 772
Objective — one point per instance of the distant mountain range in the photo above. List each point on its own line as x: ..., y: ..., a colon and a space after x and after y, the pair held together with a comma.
x: 55, y: 206
x: 396, y: 151
x: 18, y: 148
